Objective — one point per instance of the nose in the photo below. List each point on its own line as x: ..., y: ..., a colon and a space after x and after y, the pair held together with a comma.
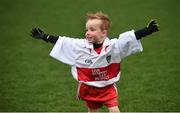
x: 87, y: 33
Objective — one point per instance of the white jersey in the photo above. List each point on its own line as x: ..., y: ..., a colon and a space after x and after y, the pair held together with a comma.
x: 88, y: 66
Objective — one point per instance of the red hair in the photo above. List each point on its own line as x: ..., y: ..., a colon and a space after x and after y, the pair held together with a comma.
x: 106, y: 22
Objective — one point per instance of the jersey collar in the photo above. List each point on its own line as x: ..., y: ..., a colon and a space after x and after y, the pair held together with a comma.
x: 107, y: 42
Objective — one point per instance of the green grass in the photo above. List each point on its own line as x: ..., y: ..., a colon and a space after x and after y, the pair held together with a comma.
x: 32, y: 81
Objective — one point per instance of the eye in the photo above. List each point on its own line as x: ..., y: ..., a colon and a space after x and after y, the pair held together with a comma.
x: 93, y: 29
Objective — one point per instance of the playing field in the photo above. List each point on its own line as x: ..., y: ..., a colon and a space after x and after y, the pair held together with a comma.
x: 30, y: 80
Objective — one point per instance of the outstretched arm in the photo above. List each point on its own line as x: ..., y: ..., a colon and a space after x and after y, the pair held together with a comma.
x: 37, y: 33
x: 151, y: 27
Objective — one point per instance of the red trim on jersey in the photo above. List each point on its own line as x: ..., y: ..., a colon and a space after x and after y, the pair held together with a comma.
x: 98, y: 74
x: 98, y: 50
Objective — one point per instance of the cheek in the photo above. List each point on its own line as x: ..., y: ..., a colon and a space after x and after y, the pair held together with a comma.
x: 100, y: 34
x: 97, y: 33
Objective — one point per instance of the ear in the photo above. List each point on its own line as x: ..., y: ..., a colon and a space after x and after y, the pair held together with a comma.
x: 105, y: 33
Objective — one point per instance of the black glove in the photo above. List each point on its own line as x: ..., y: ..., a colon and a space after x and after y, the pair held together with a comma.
x: 37, y: 33
x: 153, y: 26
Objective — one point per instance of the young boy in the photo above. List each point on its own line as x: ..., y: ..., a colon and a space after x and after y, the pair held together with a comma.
x: 95, y: 60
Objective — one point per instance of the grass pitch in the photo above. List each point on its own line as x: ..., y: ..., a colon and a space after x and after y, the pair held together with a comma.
x: 32, y: 81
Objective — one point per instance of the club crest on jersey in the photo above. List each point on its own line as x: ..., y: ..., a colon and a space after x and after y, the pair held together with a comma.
x: 88, y: 61
x: 108, y: 58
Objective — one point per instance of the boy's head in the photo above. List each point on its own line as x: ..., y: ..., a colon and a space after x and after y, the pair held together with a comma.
x: 97, y: 27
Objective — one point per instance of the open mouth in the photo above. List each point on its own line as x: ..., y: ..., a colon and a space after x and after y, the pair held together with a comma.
x: 89, y: 39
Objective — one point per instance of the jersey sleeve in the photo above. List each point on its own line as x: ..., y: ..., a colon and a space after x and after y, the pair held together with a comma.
x: 128, y: 44
x: 64, y: 50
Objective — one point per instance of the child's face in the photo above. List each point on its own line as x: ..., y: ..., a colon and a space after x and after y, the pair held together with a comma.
x: 94, y: 33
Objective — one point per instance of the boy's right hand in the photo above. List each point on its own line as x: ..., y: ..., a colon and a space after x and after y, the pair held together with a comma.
x: 37, y: 33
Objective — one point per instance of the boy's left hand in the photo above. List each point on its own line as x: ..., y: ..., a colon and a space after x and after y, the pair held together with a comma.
x: 153, y: 26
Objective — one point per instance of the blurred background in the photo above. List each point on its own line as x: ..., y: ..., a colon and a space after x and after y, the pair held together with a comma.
x: 30, y: 80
